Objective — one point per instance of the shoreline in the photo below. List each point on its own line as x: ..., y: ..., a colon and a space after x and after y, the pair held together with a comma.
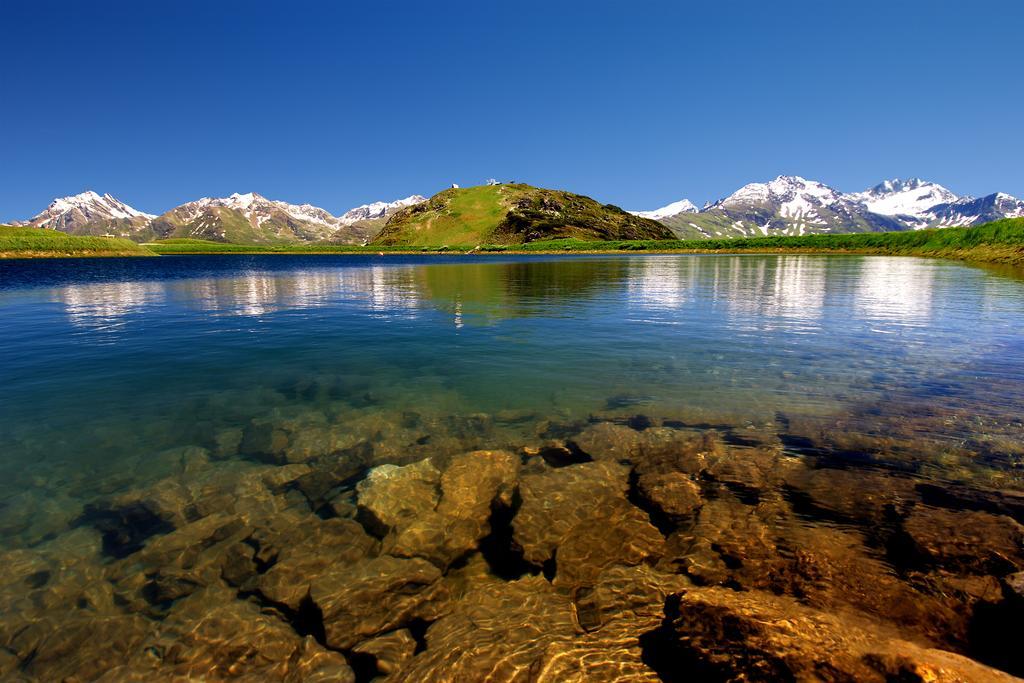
x: 984, y: 255
x: 991, y: 254
x: 997, y: 242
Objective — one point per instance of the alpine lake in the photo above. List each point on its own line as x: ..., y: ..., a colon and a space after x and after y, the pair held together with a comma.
x: 511, y: 468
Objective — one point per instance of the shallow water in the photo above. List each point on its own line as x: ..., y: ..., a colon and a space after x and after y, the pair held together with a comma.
x: 122, y: 375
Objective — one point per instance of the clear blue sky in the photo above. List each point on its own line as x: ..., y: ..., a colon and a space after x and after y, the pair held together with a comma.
x: 634, y: 103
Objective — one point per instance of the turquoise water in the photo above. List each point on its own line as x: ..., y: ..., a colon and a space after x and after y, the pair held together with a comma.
x: 115, y: 359
x: 142, y: 400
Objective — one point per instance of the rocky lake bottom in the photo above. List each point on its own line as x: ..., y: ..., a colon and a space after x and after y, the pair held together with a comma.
x: 542, y: 470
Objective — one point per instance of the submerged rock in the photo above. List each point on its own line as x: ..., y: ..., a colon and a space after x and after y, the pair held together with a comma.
x: 861, y: 496
x: 618, y: 534
x: 390, y: 651
x: 377, y: 595
x: 392, y: 496
x: 720, y: 634
x: 1015, y: 582
x: 214, y: 636
x: 422, y: 512
x: 555, y: 501
x: 965, y: 540
x: 306, y: 552
x: 497, y: 632
x: 656, y: 449
x: 674, y: 494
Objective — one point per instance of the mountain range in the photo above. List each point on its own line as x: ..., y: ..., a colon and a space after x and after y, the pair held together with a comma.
x: 240, y: 218
x: 791, y: 205
x: 787, y: 205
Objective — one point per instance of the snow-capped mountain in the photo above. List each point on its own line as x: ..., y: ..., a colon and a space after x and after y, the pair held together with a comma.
x: 248, y: 217
x: 673, y: 209
x: 911, y: 197
x: 787, y: 205
x: 969, y: 211
x: 90, y: 213
x: 367, y: 212
x: 791, y: 205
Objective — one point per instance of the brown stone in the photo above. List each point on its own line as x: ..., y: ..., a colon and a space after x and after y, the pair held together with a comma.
x: 394, y: 496
x: 674, y: 494
x: 374, y: 596
x: 309, y: 551
x: 497, y: 632
x: 555, y: 501
x: 965, y: 540
x: 857, y: 495
x: 390, y: 650
x: 618, y: 534
x: 719, y: 634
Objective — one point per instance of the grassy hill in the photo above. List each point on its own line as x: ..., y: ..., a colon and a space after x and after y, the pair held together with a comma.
x: 512, y: 214
x: 17, y: 242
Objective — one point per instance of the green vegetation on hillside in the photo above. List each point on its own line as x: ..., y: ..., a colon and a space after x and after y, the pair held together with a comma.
x: 512, y: 214
x: 18, y: 242
x: 194, y: 246
x: 997, y: 242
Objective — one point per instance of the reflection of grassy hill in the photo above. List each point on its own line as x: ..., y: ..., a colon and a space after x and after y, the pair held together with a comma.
x: 34, y: 242
x: 512, y: 214
x: 479, y: 292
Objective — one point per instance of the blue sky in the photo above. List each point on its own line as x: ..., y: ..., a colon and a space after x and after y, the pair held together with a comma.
x: 637, y: 104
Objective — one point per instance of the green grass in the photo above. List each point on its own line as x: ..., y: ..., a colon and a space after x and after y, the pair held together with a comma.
x: 193, y: 246
x: 511, y: 214
x: 999, y: 242
x: 456, y: 217
x: 38, y: 242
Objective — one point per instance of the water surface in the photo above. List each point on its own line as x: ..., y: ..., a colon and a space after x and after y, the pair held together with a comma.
x: 111, y: 367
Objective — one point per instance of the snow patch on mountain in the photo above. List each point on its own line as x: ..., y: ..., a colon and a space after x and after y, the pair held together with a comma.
x: 673, y: 209
x: 256, y: 207
x: 968, y: 211
x: 795, y: 196
x: 90, y: 205
x: 379, y: 209
x: 897, y: 197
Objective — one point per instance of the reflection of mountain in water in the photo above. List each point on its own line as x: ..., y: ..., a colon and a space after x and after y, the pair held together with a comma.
x: 662, y: 283
x: 377, y: 288
x: 895, y: 290
x: 484, y: 292
x: 472, y: 292
x: 782, y: 291
x: 102, y: 306
x: 758, y: 292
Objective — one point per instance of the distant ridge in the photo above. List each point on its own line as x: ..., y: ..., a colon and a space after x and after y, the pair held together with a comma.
x: 791, y: 205
x: 786, y: 205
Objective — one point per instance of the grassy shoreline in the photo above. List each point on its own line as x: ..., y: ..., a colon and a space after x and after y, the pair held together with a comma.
x: 17, y: 242
x: 997, y: 242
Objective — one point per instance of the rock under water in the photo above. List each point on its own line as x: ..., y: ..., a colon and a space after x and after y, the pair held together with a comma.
x: 342, y: 547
